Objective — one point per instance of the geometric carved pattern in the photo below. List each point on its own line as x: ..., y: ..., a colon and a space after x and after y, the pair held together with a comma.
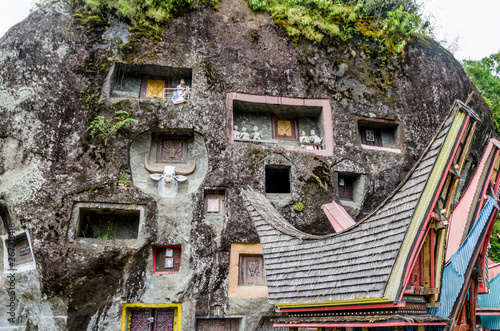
x: 172, y: 149
x: 139, y: 320
x: 251, y: 270
x: 223, y: 324
x: 164, y: 320
x: 285, y: 127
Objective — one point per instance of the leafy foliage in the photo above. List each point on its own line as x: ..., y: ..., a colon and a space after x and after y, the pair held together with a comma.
x: 105, y: 127
x: 391, y: 22
x: 141, y: 14
x: 298, y: 206
x: 485, y: 74
x: 122, y: 179
x: 495, y: 242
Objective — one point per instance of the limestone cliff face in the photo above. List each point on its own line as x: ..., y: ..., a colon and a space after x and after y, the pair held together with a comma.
x: 50, y: 167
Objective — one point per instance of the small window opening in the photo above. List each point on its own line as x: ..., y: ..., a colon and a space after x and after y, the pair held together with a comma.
x: 167, y: 259
x: 277, y: 179
x: 109, y: 223
x: 22, y: 249
x: 346, y: 187
x: 251, y: 270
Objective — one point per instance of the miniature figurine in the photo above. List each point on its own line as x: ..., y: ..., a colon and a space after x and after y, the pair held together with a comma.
x: 304, y: 139
x: 313, y: 138
x: 244, y: 133
x: 236, y: 133
x: 255, y: 134
x: 181, y: 93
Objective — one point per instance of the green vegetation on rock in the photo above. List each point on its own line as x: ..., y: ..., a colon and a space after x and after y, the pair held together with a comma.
x: 494, y: 253
x: 105, y: 127
x: 485, y: 74
x: 392, y: 23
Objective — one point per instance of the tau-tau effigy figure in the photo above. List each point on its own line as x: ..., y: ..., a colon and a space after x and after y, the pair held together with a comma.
x: 181, y: 93
x: 304, y: 139
x: 244, y: 133
x: 236, y: 133
x: 313, y: 138
x: 255, y: 134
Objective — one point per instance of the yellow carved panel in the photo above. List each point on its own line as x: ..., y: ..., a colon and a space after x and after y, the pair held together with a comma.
x: 155, y: 88
x: 284, y: 128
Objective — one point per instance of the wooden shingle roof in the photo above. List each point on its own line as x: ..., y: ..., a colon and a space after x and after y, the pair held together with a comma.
x: 352, y: 265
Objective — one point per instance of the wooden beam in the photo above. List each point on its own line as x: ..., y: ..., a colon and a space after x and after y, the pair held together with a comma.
x: 427, y: 262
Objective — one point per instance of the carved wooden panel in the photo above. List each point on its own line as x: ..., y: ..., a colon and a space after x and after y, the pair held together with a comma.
x: 218, y: 324
x: 345, y: 188
x: 172, y: 149
x: 164, y: 320
x: 153, y: 87
x: 251, y: 270
x: 285, y: 127
x: 139, y: 320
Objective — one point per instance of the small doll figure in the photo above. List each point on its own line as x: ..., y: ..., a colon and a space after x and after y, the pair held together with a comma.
x: 303, y: 139
x: 313, y: 138
x: 255, y: 134
x: 236, y: 133
x: 244, y: 133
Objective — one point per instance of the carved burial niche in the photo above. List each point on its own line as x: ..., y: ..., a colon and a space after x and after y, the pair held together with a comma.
x: 145, y: 81
x: 277, y: 179
x: 167, y: 259
x: 379, y: 133
x: 280, y: 121
x: 108, y: 223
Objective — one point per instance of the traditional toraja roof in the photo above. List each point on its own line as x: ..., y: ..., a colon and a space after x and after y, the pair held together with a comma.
x: 455, y: 273
x: 464, y: 210
x: 370, y: 320
x: 358, y: 264
x: 489, y: 306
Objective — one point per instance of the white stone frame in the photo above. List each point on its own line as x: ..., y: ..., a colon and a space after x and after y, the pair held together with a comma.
x: 22, y: 267
x: 75, y: 223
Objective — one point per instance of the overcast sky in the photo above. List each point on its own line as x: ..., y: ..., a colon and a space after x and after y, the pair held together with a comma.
x: 474, y: 23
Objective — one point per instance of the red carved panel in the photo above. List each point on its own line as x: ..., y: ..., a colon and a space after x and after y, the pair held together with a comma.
x: 139, y: 320
x: 164, y: 320
x: 251, y: 270
x: 172, y: 149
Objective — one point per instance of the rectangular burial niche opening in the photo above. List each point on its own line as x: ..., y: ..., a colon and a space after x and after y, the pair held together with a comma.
x: 148, y: 82
x: 167, y: 259
x: 346, y: 183
x: 214, y: 202
x: 107, y: 223
x: 277, y: 179
x: 22, y: 249
x: 279, y: 125
x: 379, y: 133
